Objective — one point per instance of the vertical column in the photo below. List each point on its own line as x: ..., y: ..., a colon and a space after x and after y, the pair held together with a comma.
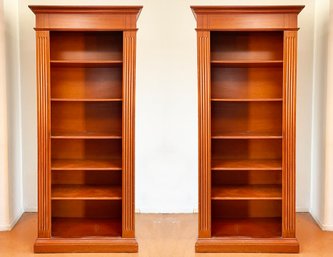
x: 129, y: 53
x: 43, y: 121
x: 289, y: 134
x: 204, y: 134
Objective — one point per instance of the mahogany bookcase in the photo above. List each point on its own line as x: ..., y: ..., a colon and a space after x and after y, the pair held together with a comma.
x: 85, y: 101
x: 247, y: 57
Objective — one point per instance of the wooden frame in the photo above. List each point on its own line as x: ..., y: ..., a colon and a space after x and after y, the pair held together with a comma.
x: 240, y: 50
x: 100, y: 38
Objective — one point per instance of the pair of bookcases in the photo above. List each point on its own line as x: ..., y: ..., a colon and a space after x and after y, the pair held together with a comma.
x: 86, y: 106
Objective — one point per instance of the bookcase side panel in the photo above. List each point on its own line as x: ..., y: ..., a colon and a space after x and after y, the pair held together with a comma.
x: 204, y: 80
x: 129, y: 48
x: 289, y: 134
x: 43, y: 121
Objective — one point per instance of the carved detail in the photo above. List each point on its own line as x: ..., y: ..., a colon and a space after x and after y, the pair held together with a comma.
x: 43, y: 106
x: 129, y: 46
x: 204, y: 134
x: 289, y: 134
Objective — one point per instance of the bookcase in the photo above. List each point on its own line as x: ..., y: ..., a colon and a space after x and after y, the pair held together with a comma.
x: 85, y: 100
x: 247, y: 58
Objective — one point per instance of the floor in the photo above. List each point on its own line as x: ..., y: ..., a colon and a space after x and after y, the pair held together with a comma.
x: 166, y: 235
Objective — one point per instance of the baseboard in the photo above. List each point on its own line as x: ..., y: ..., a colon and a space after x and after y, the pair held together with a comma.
x: 12, y: 223
x: 321, y: 225
x: 30, y: 209
x: 302, y: 209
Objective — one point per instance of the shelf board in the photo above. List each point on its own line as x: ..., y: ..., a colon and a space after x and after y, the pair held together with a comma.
x: 246, y: 135
x: 87, y: 135
x: 85, y: 227
x: 86, y: 99
x: 219, y: 164
x: 247, y: 227
x: 247, y: 63
x: 68, y: 164
x: 85, y: 63
x: 85, y: 192
x: 246, y: 99
x: 247, y: 192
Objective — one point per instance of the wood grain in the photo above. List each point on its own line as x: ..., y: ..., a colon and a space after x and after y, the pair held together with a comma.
x: 246, y: 192
x: 85, y: 228
x: 44, y: 128
x: 87, y: 83
x: 246, y: 164
x: 247, y: 46
x: 203, y: 41
x: 72, y: 164
x: 289, y: 132
x: 247, y: 228
x: 85, y: 192
x: 128, y: 147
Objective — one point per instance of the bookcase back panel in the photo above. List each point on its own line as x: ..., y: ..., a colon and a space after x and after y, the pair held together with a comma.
x: 247, y: 117
x: 85, y: 228
x: 76, y: 45
x: 84, y: 219
x: 246, y: 83
x: 78, y: 149
x: 86, y: 82
x: 241, y: 149
x: 246, y: 177
x: 86, y: 209
x: 252, y: 45
x: 247, y: 228
x: 91, y: 177
x: 80, y: 117
x: 246, y: 209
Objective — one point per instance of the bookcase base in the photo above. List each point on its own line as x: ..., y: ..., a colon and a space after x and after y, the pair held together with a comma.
x: 228, y: 245
x: 112, y: 245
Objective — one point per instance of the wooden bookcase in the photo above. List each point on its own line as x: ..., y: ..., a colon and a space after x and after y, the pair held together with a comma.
x: 247, y: 89
x: 85, y: 98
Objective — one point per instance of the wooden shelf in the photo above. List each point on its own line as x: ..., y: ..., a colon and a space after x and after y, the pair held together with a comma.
x: 85, y: 63
x: 247, y: 227
x: 246, y: 135
x: 85, y: 164
x: 247, y: 63
x: 247, y: 192
x: 85, y: 227
x: 85, y: 192
x: 246, y: 99
x: 86, y: 99
x: 246, y: 164
x: 86, y: 135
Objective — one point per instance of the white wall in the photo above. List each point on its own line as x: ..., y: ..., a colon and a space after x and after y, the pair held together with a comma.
x: 4, y: 190
x: 11, y: 172
x: 322, y: 170
x: 166, y: 114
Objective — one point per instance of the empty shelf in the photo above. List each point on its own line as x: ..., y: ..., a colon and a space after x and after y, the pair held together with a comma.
x: 86, y: 135
x: 246, y: 135
x: 69, y: 164
x: 85, y: 227
x: 247, y: 227
x: 246, y: 164
x: 247, y: 192
x: 86, y: 192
